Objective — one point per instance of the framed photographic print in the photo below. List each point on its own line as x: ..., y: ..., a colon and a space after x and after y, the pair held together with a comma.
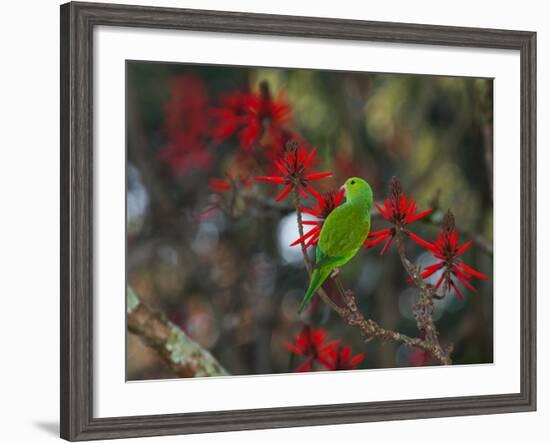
x: 272, y: 221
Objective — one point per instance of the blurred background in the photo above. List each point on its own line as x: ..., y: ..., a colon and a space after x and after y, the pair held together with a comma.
x: 208, y: 247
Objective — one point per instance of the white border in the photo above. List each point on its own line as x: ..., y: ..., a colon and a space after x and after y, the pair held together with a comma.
x: 114, y: 397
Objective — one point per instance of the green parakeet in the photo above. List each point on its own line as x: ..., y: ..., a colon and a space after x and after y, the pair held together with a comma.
x: 342, y: 235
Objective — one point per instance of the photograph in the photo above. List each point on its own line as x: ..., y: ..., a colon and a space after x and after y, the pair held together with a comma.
x: 242, y: 221
x: 284, y: 220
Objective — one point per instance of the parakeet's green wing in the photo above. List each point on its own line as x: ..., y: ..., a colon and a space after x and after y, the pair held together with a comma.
x: 326, y: 261
x: 343, y: 233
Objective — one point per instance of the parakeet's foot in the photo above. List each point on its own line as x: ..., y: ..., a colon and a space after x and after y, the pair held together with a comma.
x: 335, y: 273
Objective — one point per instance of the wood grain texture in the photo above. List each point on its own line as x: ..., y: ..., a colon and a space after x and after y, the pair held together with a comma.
x: 77, y: 23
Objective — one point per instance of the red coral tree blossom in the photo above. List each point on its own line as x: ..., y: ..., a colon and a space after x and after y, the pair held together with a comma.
x: 219, y: 185
x: 326, y: 203
x: 222, y: 185
x: 398, y: 210
x: 293, y: 167
x: 311, y: 344
x: 342, y: 359
x: 447, y: 250
x: 230, y: 116
x: 187, y: 125
x: 252, y: 117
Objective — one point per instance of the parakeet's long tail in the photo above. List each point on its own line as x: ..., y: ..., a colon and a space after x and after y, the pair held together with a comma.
x: 317, y: 278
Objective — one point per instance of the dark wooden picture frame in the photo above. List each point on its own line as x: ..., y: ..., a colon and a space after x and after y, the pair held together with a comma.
x: 77, y: 24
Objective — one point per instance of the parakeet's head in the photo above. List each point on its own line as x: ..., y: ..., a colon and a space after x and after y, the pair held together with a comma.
x: 357, y: 188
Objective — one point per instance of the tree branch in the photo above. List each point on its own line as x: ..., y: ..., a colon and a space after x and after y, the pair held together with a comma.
x: 424, y: 308
x: 182, y: 354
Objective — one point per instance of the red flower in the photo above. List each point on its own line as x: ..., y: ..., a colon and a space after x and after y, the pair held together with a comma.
x: 310, y: 344
x: 219, y: 185
x: 275, y: 145
x: 230, y: 116
x: 326, y: 203
x: 186, y: 125
x: 400, y: 211
x: 418, y: 357
x: 447, y: 250
x: 293, y: 167
x: 252, y: 117
x: 186, y: 153
x: 341, y: 358
x: 264, y: 114
x: 184, y: 112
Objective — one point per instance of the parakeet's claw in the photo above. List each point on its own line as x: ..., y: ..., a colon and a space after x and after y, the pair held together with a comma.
x: 335, y: 273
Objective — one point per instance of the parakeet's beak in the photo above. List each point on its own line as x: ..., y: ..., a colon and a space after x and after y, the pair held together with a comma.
x: 343, y: 188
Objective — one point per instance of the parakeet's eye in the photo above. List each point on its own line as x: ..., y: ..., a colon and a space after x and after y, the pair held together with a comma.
x: 352, y: 182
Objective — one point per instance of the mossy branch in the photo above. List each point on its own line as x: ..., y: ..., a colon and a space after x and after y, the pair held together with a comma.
x: 181, y: 353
